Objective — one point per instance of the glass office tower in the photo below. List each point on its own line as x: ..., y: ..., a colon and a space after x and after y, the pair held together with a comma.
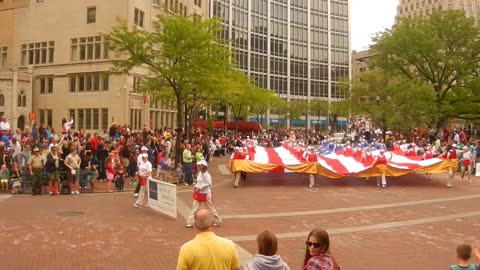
x: 298, y: 48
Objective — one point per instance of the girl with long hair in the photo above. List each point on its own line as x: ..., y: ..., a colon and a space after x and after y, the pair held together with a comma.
x: 317, y: 253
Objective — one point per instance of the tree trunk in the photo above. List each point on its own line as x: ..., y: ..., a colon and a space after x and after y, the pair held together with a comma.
x: 178, y: 141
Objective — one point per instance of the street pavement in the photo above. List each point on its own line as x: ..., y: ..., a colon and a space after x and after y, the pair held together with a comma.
x: 413, y: 224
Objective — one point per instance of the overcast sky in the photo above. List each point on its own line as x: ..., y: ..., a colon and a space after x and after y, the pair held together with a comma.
x: 369, y: 17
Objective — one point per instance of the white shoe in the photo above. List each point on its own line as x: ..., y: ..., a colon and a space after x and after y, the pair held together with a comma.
x: 135, y: 195
x: 77, y: 192
x: 73, y: 192
x: 189, y: 226
x: 136, y: 205
x: 50, y: 193
x: 186, y: 184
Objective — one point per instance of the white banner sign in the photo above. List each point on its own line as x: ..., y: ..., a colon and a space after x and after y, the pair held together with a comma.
x: 162, y: 197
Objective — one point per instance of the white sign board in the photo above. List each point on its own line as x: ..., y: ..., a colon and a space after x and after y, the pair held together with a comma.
x: 162, y: 197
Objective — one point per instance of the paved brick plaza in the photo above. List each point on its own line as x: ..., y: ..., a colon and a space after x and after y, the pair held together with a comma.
x: 414, y: 224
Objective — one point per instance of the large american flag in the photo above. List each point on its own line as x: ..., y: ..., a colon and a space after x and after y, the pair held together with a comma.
x: 337, y: 160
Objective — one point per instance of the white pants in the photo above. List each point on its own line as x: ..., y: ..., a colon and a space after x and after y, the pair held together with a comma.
x: 450, y: 178
x: 311, y: 177
x: 382, y: 180
x: 237, y: 178
x: 208, y: 204
x: 142, y: 194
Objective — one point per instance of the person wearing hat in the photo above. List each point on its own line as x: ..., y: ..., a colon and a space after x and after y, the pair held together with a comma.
x: 144, y: 172
x: 467, y: 163
x: 72, y: 162
x: 35, y: 165
x: 428, y: 155
x: 52, y: 166
x: 203, y: 196
x: 310, y: 156
x: 236, y: 155
x: 143, y: 150
x: 452, y: 158
x: 381, y: 165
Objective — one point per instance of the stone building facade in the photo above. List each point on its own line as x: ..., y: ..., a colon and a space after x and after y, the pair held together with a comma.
x: 15, y: 97
x: 57, y: 45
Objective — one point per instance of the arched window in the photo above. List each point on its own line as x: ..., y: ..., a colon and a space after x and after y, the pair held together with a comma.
x: 2, y: 100
x: 24, y: 101
x: 19, y: 101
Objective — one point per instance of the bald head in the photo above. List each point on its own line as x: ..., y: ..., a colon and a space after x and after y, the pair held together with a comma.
x: 203, y: 219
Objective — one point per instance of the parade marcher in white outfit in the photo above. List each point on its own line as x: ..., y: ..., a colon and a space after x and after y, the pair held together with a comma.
x: 310, y: 156
x: 428, y: 155
x: 202, y: 196
x: 144, y: 171
x: 467, y: 163
x: 381, y: 163
x: 144, y: 150
x: 452, y: 157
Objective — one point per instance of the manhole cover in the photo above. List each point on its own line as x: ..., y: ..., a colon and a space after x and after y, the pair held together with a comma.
x: 70, y: 214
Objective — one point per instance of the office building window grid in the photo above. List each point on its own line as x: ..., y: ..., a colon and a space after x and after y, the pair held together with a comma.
x: 88, y: 49
x: 45, y: 84
x: 90, y: 118
x: 37, y: 53
x: 89, y: 82
x: 284, y: 44
x: 46, y: 117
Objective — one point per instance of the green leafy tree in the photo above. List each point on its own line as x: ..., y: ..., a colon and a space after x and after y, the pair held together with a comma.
x: 391, y: 101
x: 182, y: 56
x: 263, y: 100
x: 443, y: 51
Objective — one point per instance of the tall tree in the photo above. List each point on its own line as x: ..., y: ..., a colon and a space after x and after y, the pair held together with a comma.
x: 182, y: 56
x: 392, y: 100
x: 442, y: 50
x: 263, y: 100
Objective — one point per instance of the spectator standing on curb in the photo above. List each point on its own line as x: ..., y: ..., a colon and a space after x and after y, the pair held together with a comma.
x: 207, y: 250
x: 52, y: 166
x: 35, y: 164
x: 110, y: 170
x: 317, y: 254
x: 187, y: 159
x: 267, y: 258
x: 202, y: 194
x: 72, y: 162
x: 4, y: 177
x: 144, y: 171
x: 102, y: 154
